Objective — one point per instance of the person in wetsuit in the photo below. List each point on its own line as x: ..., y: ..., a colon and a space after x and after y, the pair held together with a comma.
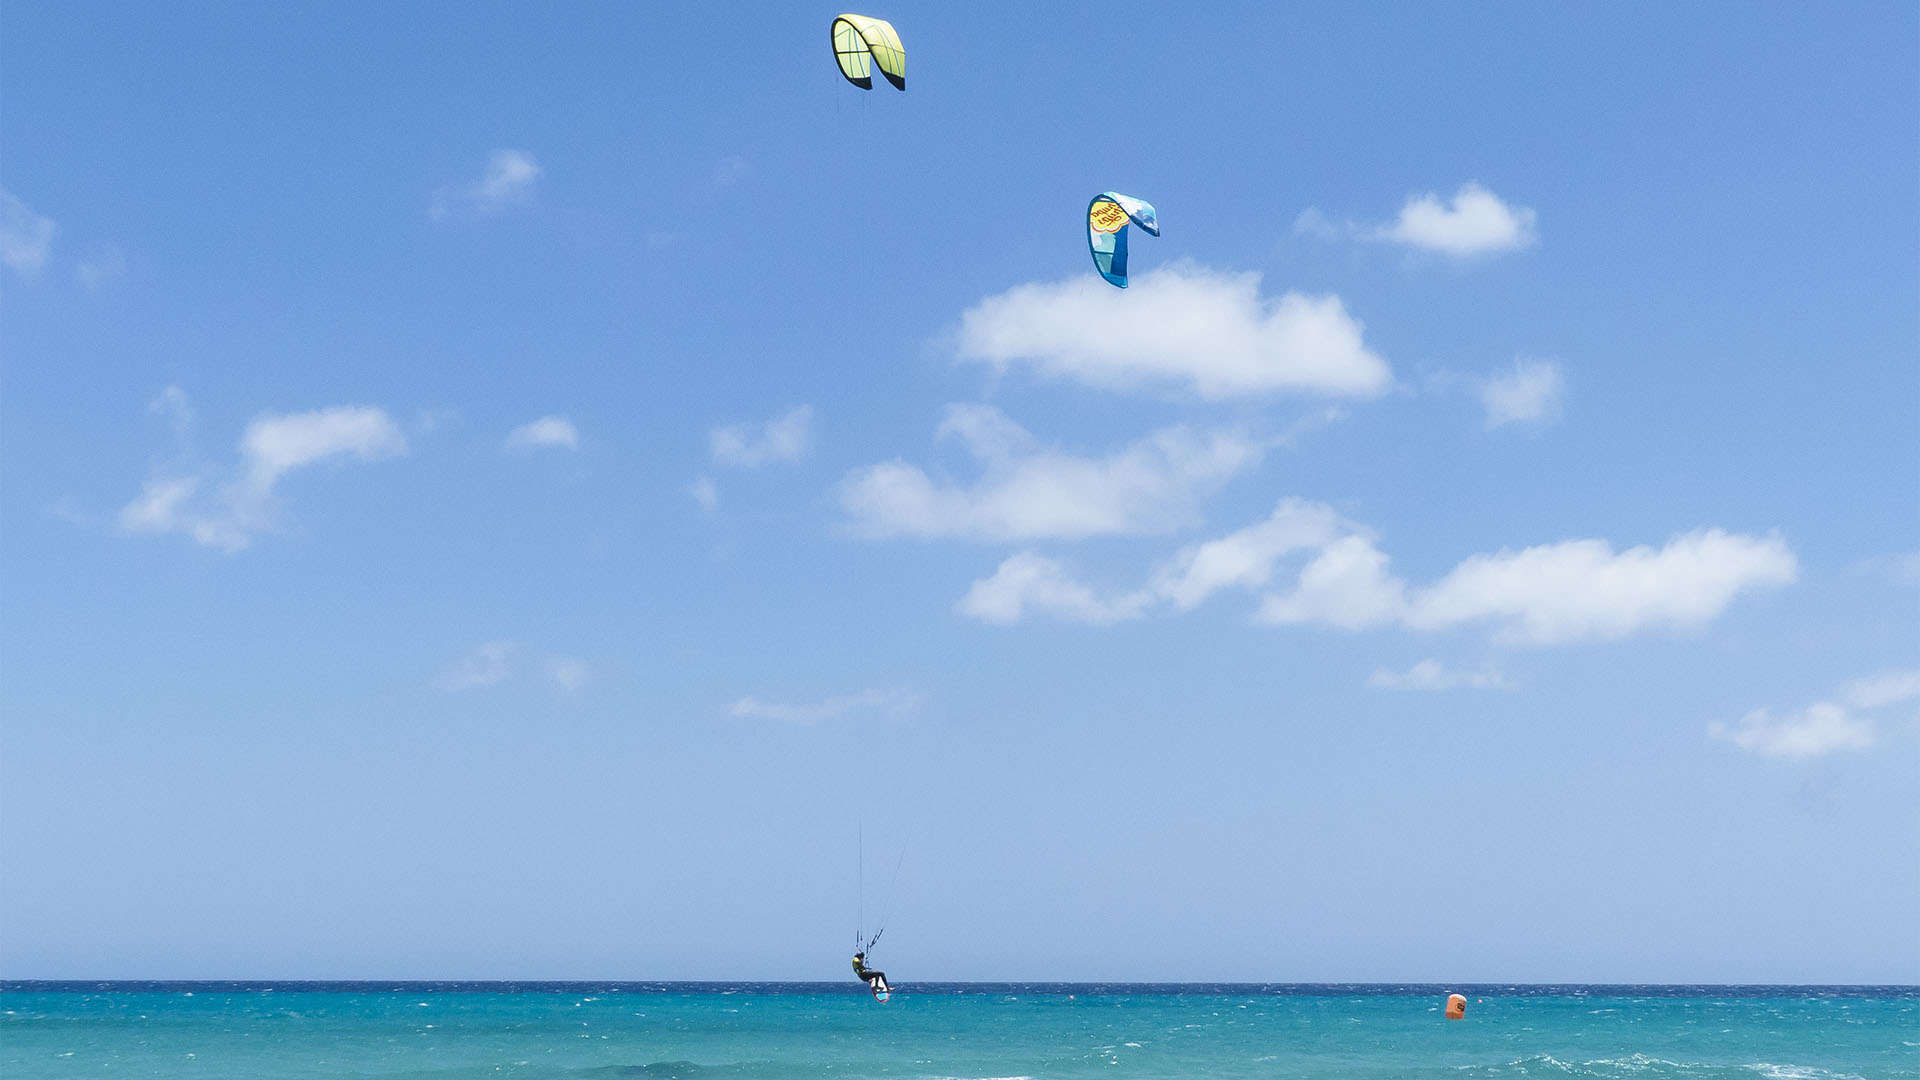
x: 877, y: 980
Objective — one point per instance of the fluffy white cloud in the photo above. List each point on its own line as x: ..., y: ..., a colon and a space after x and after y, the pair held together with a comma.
x: 1820, y: 729
x: 226, y: 515
x: 274, y: 445
x: 783, y: 439
x: 1032, y: 582
x: 1246, y: 558
x: 891, y: 702
x: 1528, y: 394
x: 486, y: 665
x: 1345, y: 585
x: 1476, y: 222
x: 509, y: 178
x: 1433, y: 675
x: 1583, y: 589
x: 546, y: 431
x: 1886, y: 688
x: 1185, y: 325
x: 1575, y: 590
x: 1028, y: 492
x: 1825, y: 727
x: 26, y: 238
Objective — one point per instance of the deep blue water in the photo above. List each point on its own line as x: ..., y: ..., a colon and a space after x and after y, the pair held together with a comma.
x: 794, y: 1031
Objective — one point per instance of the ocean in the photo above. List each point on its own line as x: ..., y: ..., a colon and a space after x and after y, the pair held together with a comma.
x: 795, y: 1031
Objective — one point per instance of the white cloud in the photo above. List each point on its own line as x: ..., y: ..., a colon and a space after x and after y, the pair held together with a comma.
x: 1583, y: 589
x: 1311, y: 222
x: 274, y: 445
x: 1476, y: 223
x: 546, y: 431
x: 226, y: 515
x: 570, y: 672
x: 1431, y: 674
x: 1886, y: 688
x: 1345, y: 585
x: 487, y: 665
x: 1544, y: 595
x: 1823, y: 728
x: 1185, y: 325
x: 1030, y: 581
x: 95, y: 271
x: 784, y: 439
x: 890, y: 702
x: 26, y: 238
x: 163, y: 507
x: 1528, y: 394
x: 1028, y: 492
x: 705, y: 493
x: 1246, y: 558
x: 508, y: 179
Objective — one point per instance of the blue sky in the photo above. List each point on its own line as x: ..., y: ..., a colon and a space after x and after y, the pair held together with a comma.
x: 502, y: 492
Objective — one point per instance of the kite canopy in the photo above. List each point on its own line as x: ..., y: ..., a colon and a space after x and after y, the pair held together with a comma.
x: 1108, y: 216
x: 860, y: 42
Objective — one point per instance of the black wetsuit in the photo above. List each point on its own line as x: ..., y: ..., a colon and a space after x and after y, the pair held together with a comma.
x: 875, y: 979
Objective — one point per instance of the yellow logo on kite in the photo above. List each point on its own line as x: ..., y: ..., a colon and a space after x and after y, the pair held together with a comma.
x: 1107, y: 217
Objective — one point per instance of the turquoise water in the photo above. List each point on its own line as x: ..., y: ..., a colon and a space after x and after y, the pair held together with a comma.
x: 579, y: 1031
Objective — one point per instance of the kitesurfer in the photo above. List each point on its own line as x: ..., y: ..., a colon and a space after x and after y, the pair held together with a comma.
x: 877, y: 980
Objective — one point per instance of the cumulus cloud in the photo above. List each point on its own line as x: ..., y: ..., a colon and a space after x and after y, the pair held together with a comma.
x: 1345, y: 585
x: 26, y: 238
x: 227, y: 513
x: 1549, y: 594
x: 275, y: 445
x: 1825, y: 727
x: 1184, y: 325
x: 1029, y: 492
x: 487, y: 665
x: 1474, y: 222
x: 1032, y: 582
x: 1818, y: 730
x: 1246, y: 558
x: 1886, y: 688
x: 508, y: 179
x: 1527, y: 394
x: 546, y: 431
x: 1583, y: 589
x: 784, y: 439
x: 888, y: 702
x: 1431, y: 674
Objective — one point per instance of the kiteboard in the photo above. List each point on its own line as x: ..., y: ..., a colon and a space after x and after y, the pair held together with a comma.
x: 881, y: 996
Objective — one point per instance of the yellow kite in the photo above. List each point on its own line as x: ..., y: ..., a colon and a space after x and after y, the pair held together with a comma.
x: 860, y: 42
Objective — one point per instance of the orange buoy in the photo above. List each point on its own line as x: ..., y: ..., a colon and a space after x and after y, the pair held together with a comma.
x: 1456, y: 1007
